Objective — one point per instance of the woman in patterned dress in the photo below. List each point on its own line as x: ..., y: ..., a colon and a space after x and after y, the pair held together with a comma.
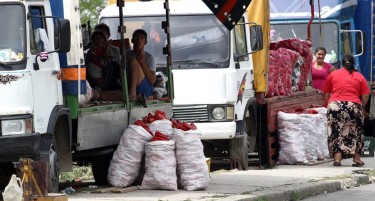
x: 346, y: 93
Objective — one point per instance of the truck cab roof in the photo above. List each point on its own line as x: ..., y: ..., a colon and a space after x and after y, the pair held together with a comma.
x: 153, y: 8
x: 297, y: 9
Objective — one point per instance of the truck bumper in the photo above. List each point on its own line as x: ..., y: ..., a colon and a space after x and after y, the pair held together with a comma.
x: 217, y: 130
x: 14, y: 147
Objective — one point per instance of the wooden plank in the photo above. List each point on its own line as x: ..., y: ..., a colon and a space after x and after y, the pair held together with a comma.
x: 105, y: 190
x: 52, y: 197
x: 126, y: 190
x: 117, y: 189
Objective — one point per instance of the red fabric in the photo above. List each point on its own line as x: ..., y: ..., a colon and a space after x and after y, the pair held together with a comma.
x: 96, y: 55
x: 319, y: 76
x: 344, y: 86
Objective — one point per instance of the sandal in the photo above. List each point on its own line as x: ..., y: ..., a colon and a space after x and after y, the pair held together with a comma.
x: 358, y: 164
x: 336, y: 163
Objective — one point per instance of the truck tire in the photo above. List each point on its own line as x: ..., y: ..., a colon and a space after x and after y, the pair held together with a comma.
x: 241, y: 145
x: 99, y: 166
x: 239, y: 153
x: 250, y: 127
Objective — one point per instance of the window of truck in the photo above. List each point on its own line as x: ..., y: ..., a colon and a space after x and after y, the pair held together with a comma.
x: 319, y: 36
x: 12, y: 37
x: 199, y: 41
x: 346, y: 39
x: 240, y: 47
x: 39, y: 39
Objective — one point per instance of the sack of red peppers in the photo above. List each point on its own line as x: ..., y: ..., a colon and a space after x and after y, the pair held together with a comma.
x: 160, y: 160
x: 160, y: 127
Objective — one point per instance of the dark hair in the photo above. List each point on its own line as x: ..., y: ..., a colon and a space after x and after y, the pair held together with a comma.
x: 96, y: 34
x: 348, y: 62
x: 321, y: 49
x: 104, y: 27
x: 140, y: 31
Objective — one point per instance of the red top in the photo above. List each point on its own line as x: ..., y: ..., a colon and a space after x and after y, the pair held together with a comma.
x: 319, y: 76
x: 96, y: 56
x: 344, y: 86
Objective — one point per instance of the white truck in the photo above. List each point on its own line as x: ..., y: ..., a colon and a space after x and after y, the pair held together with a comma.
x: 213, y: 76
x: 40, y: 114
x: 212, y: 69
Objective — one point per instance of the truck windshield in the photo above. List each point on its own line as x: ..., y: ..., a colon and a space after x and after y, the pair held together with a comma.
x: 299, y: 30
x: 199, y: 41
x: 12, y: 36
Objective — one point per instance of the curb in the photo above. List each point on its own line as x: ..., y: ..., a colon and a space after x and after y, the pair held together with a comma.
x: 302, y: 191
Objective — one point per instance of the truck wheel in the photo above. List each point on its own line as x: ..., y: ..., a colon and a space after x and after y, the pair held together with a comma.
x: 99, y: 166
x: 53, y: 171
x: 250, y: 125
x: 242, y: 145
x: 239, y: 153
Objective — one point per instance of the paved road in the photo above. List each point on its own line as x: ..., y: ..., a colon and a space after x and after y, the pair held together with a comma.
x: 243, y: 185
x: 363, y: 193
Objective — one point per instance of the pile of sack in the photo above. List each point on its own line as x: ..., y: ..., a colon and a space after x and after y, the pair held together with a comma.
x: 173, y: 154
x: 302, y: 136
x: 289, y: 66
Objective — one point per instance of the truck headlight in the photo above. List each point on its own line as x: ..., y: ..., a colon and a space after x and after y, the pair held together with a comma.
x: 16, y: 126
x: 218, y: 113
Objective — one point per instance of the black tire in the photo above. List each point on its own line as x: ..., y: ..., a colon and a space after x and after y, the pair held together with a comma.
x: 99, y: 166
x: 241, y: 146
x: 250, y: 126
x: 239, y: 153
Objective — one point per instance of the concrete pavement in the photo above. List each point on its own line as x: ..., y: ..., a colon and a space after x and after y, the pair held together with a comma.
x: 284, y: 182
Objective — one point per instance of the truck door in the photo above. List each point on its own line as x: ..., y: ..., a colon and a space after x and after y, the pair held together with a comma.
x: 243, y: 64
x: 45, y: 85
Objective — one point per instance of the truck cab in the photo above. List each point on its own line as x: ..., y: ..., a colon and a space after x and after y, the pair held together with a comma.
x: 31, y: 105
x: 42, y: 78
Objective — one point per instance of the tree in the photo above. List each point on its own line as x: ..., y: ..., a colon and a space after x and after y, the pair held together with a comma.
x: 90, y: 10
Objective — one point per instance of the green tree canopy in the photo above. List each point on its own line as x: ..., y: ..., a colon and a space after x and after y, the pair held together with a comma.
x: 90, y: 10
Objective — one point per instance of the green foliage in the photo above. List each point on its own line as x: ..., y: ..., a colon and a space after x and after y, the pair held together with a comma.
x: 90, y: 10
x: 294, y: 196
x: 261, y: 198
x: 79, y: 172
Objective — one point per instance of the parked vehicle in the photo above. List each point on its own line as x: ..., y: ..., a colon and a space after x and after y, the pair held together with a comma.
x: 340, y: 28
x: 212, y: 74
x: 39, y: 113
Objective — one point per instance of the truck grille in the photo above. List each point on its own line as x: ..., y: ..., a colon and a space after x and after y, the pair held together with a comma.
x: 191, y: 113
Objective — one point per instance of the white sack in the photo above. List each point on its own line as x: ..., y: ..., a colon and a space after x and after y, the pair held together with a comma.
x: 164, y: 126
x: 321, y: 132
x: 290, y: 139
x: 192, y: 170
x: 308, y: 131
x: 126, y: 161
x: 160, y: 166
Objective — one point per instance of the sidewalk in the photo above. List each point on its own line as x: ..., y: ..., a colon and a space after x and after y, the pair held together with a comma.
x: 285, y: 182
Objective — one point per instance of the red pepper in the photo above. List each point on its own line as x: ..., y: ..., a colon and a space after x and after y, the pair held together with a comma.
x: 144, y: 125
x: 159, y: 137
x: 185, y: 126
x: 193, y: 126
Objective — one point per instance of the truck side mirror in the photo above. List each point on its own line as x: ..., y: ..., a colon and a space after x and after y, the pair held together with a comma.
x: 256, y: 38
x: 62, y: 35
x: 256, y: 41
